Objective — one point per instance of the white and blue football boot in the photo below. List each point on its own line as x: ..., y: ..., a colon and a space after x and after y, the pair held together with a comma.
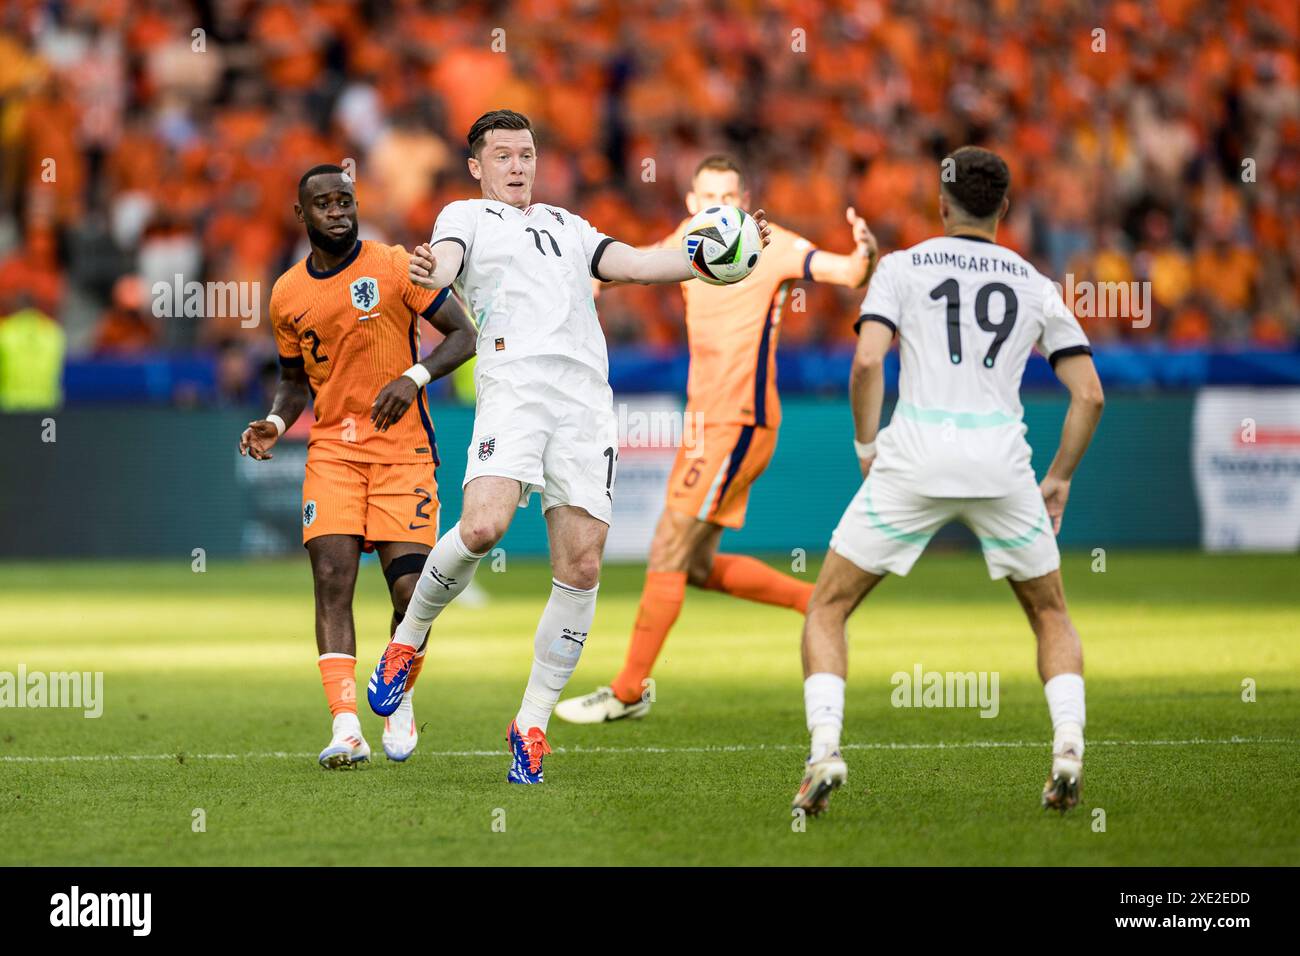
x: 526, y: 751
x: 347, y: 748
x: 400, y: 732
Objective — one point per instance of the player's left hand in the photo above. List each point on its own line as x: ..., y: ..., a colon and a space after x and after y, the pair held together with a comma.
x: 865, y: 465
x: 1056, y: 493
x: 392, y: 402
x: 764, y: 230
x: 864, y: 240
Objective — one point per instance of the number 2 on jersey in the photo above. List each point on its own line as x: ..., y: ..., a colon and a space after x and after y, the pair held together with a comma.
x: 949, y: 290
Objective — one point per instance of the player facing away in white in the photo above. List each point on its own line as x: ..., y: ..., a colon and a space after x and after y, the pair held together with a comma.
x: 544, y: 419
x: 967, y: 313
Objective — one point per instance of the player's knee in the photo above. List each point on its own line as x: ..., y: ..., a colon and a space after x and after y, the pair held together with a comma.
x: 581, y: 572
x: 828, y: 608
x: 401, y: 591
x: 1044, y: 605
x: 698, y: 574
x: 334, y: 581
x: 481, y: 534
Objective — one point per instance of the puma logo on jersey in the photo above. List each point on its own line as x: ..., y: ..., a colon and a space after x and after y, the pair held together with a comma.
x: 497, y: 213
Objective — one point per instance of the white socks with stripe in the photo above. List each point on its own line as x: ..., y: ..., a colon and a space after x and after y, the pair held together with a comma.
x: 561, y: 635
x: 1065, y: 704
x: 447, y: 572
x: 823, y: 701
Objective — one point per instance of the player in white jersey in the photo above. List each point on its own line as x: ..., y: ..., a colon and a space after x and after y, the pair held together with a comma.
x: 544, y: 419
x: 967, y: 313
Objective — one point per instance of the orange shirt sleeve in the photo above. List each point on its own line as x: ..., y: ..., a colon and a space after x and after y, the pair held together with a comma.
x: 794, y: 252
x: 286, y: 339
x: 419, y: 300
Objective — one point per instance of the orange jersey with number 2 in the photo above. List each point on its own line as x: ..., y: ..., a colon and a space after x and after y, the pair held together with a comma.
x: 356, y: 328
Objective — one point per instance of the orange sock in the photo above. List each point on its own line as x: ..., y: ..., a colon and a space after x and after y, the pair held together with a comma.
x: 417, y: 665
x: 661, y: 602
x: 338, y: 672
x: 751, y: 579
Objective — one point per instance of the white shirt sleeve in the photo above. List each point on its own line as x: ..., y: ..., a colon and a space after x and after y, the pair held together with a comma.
x: 1062, y: 335
x: 456, y: 224
x: 594, y: 244
x: 883, y: 302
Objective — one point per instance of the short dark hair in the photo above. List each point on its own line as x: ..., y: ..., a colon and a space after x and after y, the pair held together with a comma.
x: 720, y: 163
x: 324, y: 169
x: 978, y: 182
x: 496, y: 119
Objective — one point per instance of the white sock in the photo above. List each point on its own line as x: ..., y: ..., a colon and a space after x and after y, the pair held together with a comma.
x: 561, y: 634
x: 1065, y: 704
x: 447, y: 572
x: 347, y: 723
x: 823, y: 701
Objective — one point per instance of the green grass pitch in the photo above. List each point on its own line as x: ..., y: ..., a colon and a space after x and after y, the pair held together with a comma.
x: 213, y: 703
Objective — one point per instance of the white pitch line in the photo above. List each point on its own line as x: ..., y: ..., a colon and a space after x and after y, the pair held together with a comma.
x: 736, y: 748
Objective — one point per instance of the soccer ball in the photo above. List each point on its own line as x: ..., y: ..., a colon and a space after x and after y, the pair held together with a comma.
x: 722, y: 244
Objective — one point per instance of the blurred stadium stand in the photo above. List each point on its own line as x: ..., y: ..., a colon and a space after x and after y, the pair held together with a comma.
x: 145, y: 139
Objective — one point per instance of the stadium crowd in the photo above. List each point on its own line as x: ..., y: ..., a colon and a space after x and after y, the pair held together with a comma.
x: 1149, y: 142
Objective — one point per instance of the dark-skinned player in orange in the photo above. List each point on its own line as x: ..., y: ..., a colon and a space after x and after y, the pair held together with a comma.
x: 347, y: 326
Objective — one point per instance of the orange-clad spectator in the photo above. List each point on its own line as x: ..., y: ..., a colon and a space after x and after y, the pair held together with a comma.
x: 34, y: 270
x: 1190, y: 327
x: 1225, y: 274
x: 1269, y: 331
x: 126, y: 328
x: 290, y: 40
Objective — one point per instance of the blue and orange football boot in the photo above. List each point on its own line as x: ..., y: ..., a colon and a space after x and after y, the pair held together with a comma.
x: 388, y: 682
x: 526, y: 751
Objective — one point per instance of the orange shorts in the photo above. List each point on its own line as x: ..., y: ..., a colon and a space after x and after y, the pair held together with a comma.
x: 376, y: 502
x: 711, y: 478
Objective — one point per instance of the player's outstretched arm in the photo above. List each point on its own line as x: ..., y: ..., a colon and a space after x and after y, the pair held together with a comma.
x: 867, y: 388
x: 436, y: 267
x: 855, y: 269
x: 290, y: 399
x: 460, y: 337
x: 1079, y: 375
x: 623, y: 263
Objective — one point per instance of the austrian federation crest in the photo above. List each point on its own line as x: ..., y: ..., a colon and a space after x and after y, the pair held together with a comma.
x: 485, y: 448
x: 365, y: 293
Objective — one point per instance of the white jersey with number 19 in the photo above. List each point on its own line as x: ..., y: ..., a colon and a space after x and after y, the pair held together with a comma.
x: 967, y: 312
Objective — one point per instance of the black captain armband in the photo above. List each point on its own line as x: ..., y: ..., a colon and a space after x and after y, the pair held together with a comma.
x: 1067, y: 352
x: 873, y: 317
x: 595, y: 258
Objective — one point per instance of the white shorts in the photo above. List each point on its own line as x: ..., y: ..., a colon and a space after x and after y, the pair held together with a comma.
x: 548, y: 423
x: 887, y: 525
